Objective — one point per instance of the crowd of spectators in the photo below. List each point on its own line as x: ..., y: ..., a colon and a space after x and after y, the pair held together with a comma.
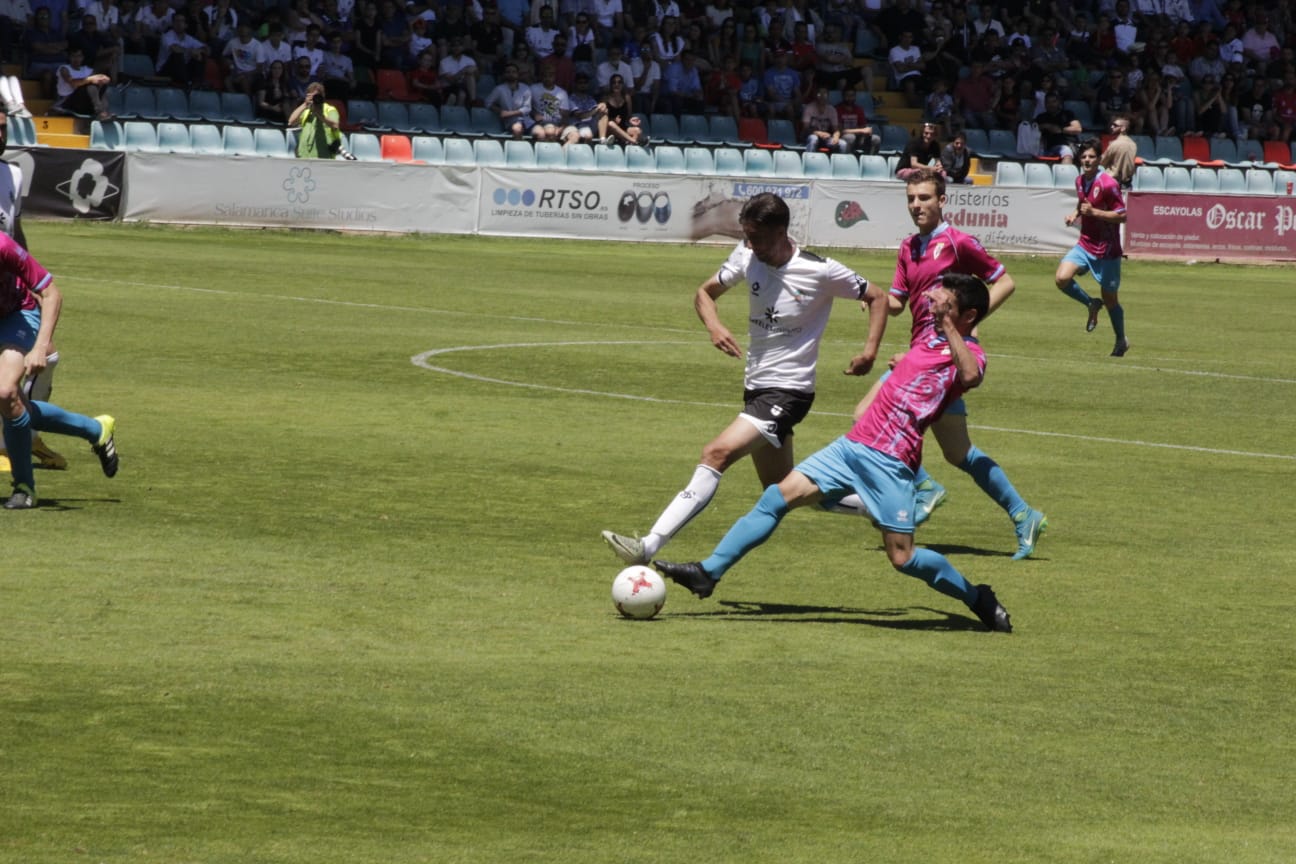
x: 1173, y: 67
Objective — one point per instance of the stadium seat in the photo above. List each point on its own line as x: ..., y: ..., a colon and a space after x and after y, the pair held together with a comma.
x: 670, y: 159
x: 816, y: 164
x: 204, y: 105
x: 140, y: 136
x: 1080, y: 109
x: 238, y: 108
x: 609, y: 158
x: 1001, y: 143
x: 105, y: 135
x: 205, y: 138
x: 360, y: 114
x: 520, y: 153
x: 1196, y: 148
x: 459, y: 152
x: 173, y: 137
x: 1284, y: 180
x: 787, y: 163
x: 1250, y: 152
x: 137, y: 103
x: 699, y: 160
x: 1260, y: 181
x: 364, y: 147
x: 423, y: 118
x: 392, y: 84
x: 238, y: 141
x: 1064, y: 176
x: 1009, y: 174
x: 782, y: 132
x: 169, y: 103
x: 1205, y: 180
x: 488, y: 151
x: 640, y: 160
x: 1169, y: 148
x: 1148, y: 178
x: 753, y: 130
x: 694, y: 128
x: 1145, y: 147
x: 845, y: 166
x: 724, y: 129
x: 547, y: 154
x: 1277, y: 152
x: 1177, y: 178
x: 758, y: 162
x: 874, y: 167
x: 427, y: 148
x: 484, y: 121
x: 270, y: 141
x: 580, y: 157
x: 1039, y: 174
x: 456, y: 119
x: 1231, y: 180
x: 978, y: 140
x: 139, y: 69
x: 894, y: 138
x: 392, y: 116
x: 663, y: 127
x: 397, y: 148
x: 729, y: 161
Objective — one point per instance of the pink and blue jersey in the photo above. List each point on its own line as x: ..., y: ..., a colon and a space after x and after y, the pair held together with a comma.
x: 914, y: 395
x: 924, y: 259
x: 1099, y: 238
x: 21, y: 276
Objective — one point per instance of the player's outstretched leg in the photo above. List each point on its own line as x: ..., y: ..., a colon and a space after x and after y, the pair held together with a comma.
x: 690, y: 501
x: 936, y: 570
x: 928, y: 495
x: 1028, y: 522
x: 39, y: 389
x: 1116, y: 313
x: 690, y: 574
x: 48, y: 417
x: 17, y: 439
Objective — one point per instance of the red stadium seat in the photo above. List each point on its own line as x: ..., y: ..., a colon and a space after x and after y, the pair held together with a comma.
x: 752, y: 129
x: 396, y: 148
x: 392, y: 84
x: 1277, y: 151
x: 1197, y: 147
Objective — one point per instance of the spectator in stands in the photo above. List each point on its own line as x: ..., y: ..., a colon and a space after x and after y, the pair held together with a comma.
x: 152, y: 19
x: 1208, y: 62
x: 1230, y: 46
x: 273, y: 47
x: 511, y: 102
x: 46, y: 48
x: 1118, y: 157
x: 15, y: 17
x: 648, y: 84
x: 722, y: 88
x: 835, y: 61
x: 751, y: 92
x: 101, y: 51
x: 922, y: 151
x: 782, y: 88
x: 395, y: 33
x: 956, y: 159
x: 242, y: 61
x: 1255, y: 111
x: 1007, y: 104
x: 776, y: 41
x: 1150, y: 107
x: 724, y: 42
x: 489, y: 45
x: 550, y: 105
x: 321, y: 132
x: 311, y: 46
x: 1112, y: 98
x: 588, y: 115
x: 683, y: 85
x: 906, y: 64
x: 1259, y: 44
x: 667, y: 43
x: 1211, y: 109
x: 804, y: 57
x: 857, y: 132
x: 81, y: 90
x: 222, y: 25
x: 181, y: 57
x: 1125, y: 29
x: 366, y: 44
x: 974, y: 98
x: 298, y: 79
x: 580, y: 43
x: 622, y: 125
x: 1059, y: 130
x: 615, y: 64
x: 458, y: 75
x: 1284, y: 106
x: 334, y: 19
x: 540, y: 37
x: 939, y: 106
x: 820, y: 126
x: 1230, y: 92
x: 750, y: 48
x: 273, y: 101
x: 420, y: 39
x: 337, y: 70
x: 564, y: 67
x: 424, y: 80
x: 451, y: 25
x: 986, y: 20
x: 609, y: 21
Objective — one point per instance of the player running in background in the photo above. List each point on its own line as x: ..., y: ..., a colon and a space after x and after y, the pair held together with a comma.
x: 936, y: 250
x: 29, y: 311
x: 877, y: 458
x: 40, y: 386
x: 1100, y: 212
x: 790, y: 293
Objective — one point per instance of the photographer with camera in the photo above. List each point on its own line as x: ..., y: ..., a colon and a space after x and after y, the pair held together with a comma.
x: 321, y: 135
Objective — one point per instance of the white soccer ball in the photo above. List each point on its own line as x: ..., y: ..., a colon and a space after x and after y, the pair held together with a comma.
x: 638, y: 592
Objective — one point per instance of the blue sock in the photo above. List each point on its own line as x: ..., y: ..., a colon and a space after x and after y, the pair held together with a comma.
x: 748, y: 532
x: 48, y: 417
x: 1117, y: 316
x: 992, y: 480
x: 936, y: 570
x: 1075, y: 292
x: 18, y: 441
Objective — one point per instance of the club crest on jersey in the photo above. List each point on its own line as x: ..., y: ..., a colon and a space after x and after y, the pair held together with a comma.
x: 936, y: 249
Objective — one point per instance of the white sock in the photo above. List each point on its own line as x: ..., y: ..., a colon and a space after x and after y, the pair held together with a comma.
x: 12, y: 98
x: 688, y: 503
x: 851, y: 505
x: 40, y: 387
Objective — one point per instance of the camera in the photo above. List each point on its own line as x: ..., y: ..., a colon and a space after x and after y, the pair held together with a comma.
x: 317, y: 99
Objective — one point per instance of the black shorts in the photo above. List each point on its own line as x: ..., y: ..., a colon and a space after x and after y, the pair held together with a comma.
x: 774, y: 412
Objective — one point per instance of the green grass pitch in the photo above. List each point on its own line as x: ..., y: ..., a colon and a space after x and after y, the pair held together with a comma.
x: 347, y: 601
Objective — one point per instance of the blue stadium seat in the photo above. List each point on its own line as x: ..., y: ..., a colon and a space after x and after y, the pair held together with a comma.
x: 816, y: 164
x: 204, y: 105
x: 206, y: 138
x: 694, y: 128
x: 364, y: 146
x: 895, y: 138
x: 1148, y: 178
x: 782, y: 132
x: 1010, y: 174
x: 1223, y: 149
x: 1064, y: 176
x: 169, y: 103
x: 663, y: 127
x: 1039, y: 174
x: 1205, y: 180
x: 787, y: 163
x: 238, y: 108
x: 361, y: 113
x: 609, y: 158
x: 729, y: 161
x: 758, y: 162
x: 1169, y: 148
x: 139, y: 68
x: 1145, y: 147
x: 1001, y: 143
x: 423, y: 118
x: 429, y: 149
x: 137, y: 103
x: 1082, y: 112
x: 484, y: 121
x: 270, y: 141
x: 140, y: 136
x: 724, y: 128
x: 238, y: 141
x: 698, y: 160
x: 1260, y: 182
x: 580, y: 157
x: 488, y: 151
x: 1232, y: 180
x: 105, y: 135
x: 640, y: 160
x: 393, y: 116
x: 670, y: 159
x: 1177, y: 178
x: 520, y: 153
x: 1281, y: 178
x: 845, y: 165
x: 456, y: 120
x: 173, y: 137
x: 874, y: 167
x: 978, y: 140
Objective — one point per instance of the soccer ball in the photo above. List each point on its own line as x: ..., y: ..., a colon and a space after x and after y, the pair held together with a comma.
x: 638, y: 592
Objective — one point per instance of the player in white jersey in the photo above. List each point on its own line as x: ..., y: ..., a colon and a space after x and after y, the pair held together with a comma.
x: 790, y: 292
x: 11, y: 182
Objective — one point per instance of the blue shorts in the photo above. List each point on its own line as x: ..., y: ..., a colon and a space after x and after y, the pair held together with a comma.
x: 883, y: 483
x: 1105, y: 270
x: 19, y: 329
x: 958, y: 407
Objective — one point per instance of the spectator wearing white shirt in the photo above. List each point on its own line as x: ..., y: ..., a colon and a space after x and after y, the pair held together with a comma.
x: 613, y: 65
x: 458, y: 74
x: 242, y: 61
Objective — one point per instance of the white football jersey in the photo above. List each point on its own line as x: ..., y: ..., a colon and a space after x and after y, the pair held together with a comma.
x: 10, y: 197
x: 789, y: 311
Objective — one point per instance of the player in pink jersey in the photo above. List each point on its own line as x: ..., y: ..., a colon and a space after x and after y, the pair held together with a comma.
x: 1100, y: 212
x: 937, y: 250
x: 877, y: 458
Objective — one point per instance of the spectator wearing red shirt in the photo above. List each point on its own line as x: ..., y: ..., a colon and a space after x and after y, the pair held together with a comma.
x: 974, y: 98
x: 1284, y: 106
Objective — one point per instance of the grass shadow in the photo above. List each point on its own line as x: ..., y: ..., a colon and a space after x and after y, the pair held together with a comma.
x: 892, y: 619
